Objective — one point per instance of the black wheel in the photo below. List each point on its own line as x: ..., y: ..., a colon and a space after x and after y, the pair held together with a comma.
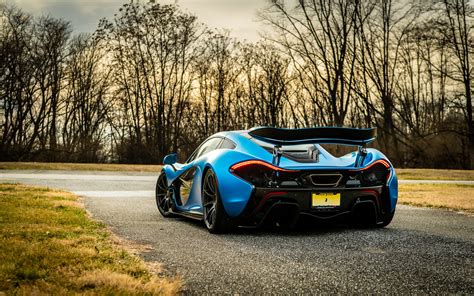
x: 386, y: 219
x: 215, y: 217
x: 163, y: 196
x: 361, y: 220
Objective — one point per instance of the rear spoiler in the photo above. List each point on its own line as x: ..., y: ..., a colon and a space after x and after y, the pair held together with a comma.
x: 321, y: 135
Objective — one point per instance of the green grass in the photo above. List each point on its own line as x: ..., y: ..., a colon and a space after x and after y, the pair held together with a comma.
x: 48, y: 245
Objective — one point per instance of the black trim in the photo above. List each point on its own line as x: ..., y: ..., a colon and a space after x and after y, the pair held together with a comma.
x: 191, y: 215
x: 323, y: 135
x: 225, y: 139
x: 261, y: 204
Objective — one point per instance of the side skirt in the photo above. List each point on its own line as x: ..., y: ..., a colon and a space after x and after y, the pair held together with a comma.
x: 192, y: 215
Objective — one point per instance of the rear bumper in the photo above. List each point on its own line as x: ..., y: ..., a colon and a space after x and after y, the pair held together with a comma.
x: 293, y: 202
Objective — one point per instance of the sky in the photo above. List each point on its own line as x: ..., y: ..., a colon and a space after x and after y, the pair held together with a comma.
x: 239, y: 16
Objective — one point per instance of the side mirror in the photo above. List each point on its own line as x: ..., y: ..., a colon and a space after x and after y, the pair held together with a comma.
x: 170, y: 159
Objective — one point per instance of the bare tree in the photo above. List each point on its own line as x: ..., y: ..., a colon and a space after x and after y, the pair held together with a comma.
x: 457, y: 18
x: 318, y: 36
x: 266, y: 81
x: 33, y: 53
x: 383, y: 26
x: 152, y: 50
x: 49, y: 43
x: 15, y: 84
x: 86, y: 101
x: 216, y: 74
x: 153, y: 80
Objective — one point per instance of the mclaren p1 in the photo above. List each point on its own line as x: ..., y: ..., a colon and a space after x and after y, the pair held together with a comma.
x: 269, y: 175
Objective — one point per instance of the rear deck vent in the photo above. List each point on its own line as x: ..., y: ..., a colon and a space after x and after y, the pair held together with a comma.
x: 325, y: 180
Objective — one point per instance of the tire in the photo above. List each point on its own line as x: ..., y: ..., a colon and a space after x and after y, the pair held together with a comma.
x: 163, y: 196
x: 215, y: 217
x: 365, y: 217
x: 386, y: 219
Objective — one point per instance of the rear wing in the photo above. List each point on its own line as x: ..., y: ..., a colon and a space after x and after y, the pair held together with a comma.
x: 320, y: 135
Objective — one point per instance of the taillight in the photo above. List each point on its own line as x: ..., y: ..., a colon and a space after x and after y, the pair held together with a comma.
x: 260, y: 173
x: 378, y: 162
x: 376, y: 173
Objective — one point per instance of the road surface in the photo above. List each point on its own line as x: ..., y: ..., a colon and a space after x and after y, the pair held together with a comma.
x: 422, y: 251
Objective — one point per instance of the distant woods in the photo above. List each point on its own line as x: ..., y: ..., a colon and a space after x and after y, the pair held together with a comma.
x: 154, y: 80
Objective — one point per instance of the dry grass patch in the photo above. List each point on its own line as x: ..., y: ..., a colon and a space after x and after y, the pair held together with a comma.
x: 109, y: 281
x: 79, y: 166
x: 448, y: 196
x: 432, y: 174
x: 48, y: 245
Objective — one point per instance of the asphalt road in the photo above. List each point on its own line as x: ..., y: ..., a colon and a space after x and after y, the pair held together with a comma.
x: 422, y: 251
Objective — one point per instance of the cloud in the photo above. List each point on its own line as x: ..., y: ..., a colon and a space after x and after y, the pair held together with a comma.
x: 27, y: 5
x: 237, y: 15
x: 84, y: 15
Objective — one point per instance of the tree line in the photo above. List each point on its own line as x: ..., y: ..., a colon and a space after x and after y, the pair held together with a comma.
x: 153, y: 80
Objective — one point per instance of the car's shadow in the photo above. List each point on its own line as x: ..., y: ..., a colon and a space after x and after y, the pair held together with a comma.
x: 304, y: 227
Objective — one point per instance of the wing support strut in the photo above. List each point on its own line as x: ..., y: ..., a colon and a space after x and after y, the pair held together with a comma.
x: 361, y: 153
x: 277, y: 153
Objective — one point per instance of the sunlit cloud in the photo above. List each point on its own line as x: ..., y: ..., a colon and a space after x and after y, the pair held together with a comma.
x: 239, y: 16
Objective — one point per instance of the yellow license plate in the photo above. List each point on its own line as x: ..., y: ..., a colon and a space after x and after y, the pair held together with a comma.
x: 326, y: 199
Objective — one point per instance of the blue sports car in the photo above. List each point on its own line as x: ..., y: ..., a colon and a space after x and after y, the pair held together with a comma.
x: 273, y: 175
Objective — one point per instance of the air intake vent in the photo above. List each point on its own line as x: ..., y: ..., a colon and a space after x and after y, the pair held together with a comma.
x: 325, y: 180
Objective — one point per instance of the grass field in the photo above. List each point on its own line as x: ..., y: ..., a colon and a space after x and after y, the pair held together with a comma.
x: 433, y: 174
x: 48, y: 245
x: 403, y: 174
x: 446, y: 196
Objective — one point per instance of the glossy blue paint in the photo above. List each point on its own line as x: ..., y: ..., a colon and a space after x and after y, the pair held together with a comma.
x: 392, y: 182
x: 170, y: 159
x: 235, y: 192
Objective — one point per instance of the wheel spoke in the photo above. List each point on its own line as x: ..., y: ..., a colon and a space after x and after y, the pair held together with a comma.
x: 208, y: 204
x: 214, y: 183
x: 209, y: 199
x: 211, y: 185
x: 163, y: 203
x: 163, y: 195
x: 162, y: 185
x: 210, y: 182
x: 211, y: 215
x: 207, y: 193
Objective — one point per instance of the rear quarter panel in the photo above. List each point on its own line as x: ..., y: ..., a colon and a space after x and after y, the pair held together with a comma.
x: 234, y: 191
x: 392, y: 183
